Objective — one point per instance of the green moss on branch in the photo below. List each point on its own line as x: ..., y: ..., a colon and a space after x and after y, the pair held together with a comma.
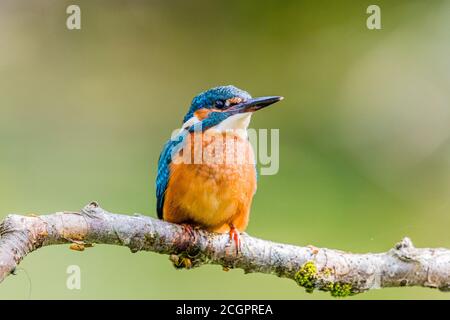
x: 309, y: 277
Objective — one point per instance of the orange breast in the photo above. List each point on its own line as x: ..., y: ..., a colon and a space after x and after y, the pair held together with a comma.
x: 217, y: 190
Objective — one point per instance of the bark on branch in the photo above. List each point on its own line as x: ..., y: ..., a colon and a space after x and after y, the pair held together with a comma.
x: 340, y: 273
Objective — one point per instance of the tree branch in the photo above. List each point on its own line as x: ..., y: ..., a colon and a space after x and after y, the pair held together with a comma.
x: 336, y: 271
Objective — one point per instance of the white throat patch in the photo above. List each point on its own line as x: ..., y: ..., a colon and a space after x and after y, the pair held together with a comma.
x: 238, y: 122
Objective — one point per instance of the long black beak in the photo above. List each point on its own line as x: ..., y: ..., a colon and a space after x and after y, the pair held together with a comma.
x: 254, y: 104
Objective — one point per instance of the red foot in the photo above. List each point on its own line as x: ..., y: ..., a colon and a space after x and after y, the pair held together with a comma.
x: 189, y: 230
x: 234, y: 236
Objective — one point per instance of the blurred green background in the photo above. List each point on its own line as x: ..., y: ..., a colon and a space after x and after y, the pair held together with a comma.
x: 364, y: 129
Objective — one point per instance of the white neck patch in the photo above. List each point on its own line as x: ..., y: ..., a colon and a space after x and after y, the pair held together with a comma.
x: 238, y: 122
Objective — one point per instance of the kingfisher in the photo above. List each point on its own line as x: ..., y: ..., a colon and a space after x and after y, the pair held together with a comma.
x: 206, y: 172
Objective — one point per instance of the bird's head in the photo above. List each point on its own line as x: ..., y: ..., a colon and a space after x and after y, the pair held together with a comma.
x: 225, y: 108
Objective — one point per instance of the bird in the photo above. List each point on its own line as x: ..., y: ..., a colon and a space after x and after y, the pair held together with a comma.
x: 215, y: 191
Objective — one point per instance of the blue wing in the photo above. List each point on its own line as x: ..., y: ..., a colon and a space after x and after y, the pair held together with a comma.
x: 162, y: 179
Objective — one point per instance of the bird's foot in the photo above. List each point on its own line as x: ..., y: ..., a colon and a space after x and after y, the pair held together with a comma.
x: 235, y: 237
x: 186, y: 258
x: 234, y: 244
x: 190, y: 231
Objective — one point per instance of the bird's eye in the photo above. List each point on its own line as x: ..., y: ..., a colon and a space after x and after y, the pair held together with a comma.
x: 219, y: 104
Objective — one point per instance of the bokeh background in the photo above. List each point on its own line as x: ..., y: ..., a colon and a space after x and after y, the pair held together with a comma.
x: 364, y: 129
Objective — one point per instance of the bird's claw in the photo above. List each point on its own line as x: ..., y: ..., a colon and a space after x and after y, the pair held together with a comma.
x: 235, y: 237
x: 190, y: 231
